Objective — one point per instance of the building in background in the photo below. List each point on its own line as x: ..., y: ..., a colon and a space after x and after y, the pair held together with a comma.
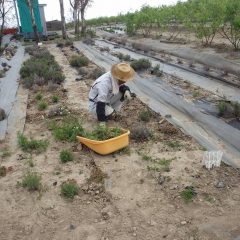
x: 54, y: 25
x: 25, y: 18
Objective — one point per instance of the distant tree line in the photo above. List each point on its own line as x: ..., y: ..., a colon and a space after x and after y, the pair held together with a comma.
x: 205, y: 18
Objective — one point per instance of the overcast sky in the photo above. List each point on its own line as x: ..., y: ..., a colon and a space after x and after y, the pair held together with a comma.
x: 101, y: 7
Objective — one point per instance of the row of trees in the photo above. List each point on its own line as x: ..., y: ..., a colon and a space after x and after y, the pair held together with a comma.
x: 205, y: 18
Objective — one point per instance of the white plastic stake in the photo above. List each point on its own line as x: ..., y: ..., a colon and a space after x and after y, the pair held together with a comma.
x: 212, y: 159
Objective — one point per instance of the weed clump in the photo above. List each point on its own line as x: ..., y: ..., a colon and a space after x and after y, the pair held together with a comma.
x: 174, y: 144
x: 31, y: 145
x: 222, y: 107
x: 3, y: 171
x: 69, y: 189
x: 67, y: 129
x: 141, y: 64
x: 42, y: 106
x: 66, y: 156
x: 188, y: 193
x: 55, y: 99
x: 124, y: 57
x: 39, y: 97
x: 156, y: 71
x: 103, y: 133
x: 31, y: 181
x: 141, y: 134
x: 145, y: 116
x: 79, y: 61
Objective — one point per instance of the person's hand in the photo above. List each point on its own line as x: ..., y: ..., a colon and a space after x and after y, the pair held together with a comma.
x: 127, y: 95
x: 102, y: 124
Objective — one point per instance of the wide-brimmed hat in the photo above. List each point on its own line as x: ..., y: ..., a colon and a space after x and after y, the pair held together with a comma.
x: 123, y: 72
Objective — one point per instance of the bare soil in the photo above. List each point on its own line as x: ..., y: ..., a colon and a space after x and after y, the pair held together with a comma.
x: 121, y: 195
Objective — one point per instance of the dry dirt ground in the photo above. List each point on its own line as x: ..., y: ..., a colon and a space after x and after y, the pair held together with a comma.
x: 125, y: 195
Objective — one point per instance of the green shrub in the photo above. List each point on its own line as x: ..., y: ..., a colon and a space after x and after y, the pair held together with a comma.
x: 141, y: 64
x: 42, y: 65
x: 31, y: 145
x: 79, y: 61
x: 42, y: 106
x: 66, y: 156
x: 145, y: 116
x: 55, y: 99
x: 222, y: 107
x: 69, y: 189
x: 39, y: 97
x: 156, y: 71
x: 67, y: 129
x: 32, y: 181
x: 124, y: 57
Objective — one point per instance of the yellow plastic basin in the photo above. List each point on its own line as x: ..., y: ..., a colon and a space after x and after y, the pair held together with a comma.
x: 107, y: 146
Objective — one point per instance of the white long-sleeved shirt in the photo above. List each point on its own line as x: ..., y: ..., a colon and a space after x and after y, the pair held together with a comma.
x: 103, y: 89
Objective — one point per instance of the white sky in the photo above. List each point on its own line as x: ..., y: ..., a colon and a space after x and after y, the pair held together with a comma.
x: 101, y: 7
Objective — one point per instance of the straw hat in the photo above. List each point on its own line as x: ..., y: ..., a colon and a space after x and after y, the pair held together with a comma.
x: 123, y: 72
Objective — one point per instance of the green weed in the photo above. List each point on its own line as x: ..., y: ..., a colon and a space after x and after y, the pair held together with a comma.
x: 39, y: 97
x: 67, y: 129
x: 187, y: 194
x: 103, y: 133
x: 55, y: 99
x: 31, y: 181
x: 69, y: 189
x: 79, y: 61
x: 141, y: 64
x: 174, y: 144
x: 3, y: 171
x: 145, y: 116
x: 66, y: 156
x: 42, y: 106
x: 31, y: 145
x: 222, y: 107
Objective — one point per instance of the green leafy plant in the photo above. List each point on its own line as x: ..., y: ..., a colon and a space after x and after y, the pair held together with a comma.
x: 42, y: 105
x: 55, y: 99
x: 69, y: 189
x: 66, y: 156
x: 31, y: 181
x: 31, y: 145
x: 79, y: 61
x: 145, y: 116
x: 39, y: 97
x: 67, y: 129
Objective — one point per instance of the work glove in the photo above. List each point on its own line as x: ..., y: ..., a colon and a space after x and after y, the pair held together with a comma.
x: 102, y: 124
x: 127, y: 95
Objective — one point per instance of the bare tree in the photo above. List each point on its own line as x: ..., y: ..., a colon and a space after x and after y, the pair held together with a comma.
x: 74, y: 5
x: 5, y: 8
x: 79, y: 7
x: 34, y: 25
x: 64, y: 33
